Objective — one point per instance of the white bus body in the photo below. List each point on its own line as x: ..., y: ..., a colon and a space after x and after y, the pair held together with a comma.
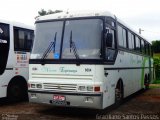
x: 15, y: 45
x: 89, y: 60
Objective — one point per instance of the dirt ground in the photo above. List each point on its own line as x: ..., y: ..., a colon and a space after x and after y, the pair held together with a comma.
x: 142, y: 105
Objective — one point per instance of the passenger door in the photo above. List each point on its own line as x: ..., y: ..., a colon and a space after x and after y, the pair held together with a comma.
x: 4, y: 46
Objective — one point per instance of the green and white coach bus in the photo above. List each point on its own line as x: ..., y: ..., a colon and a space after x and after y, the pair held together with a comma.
x: 87, y: 59
x: 15, y: 46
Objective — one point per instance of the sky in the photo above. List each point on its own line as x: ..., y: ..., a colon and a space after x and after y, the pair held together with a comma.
x: 144, y: 14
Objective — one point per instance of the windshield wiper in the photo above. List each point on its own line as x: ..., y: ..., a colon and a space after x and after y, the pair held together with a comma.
x: 73, y: 46
x: 50, y: 47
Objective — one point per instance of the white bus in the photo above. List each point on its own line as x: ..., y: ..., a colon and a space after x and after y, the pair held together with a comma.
x: 87, y: 59
x: 15, y: 45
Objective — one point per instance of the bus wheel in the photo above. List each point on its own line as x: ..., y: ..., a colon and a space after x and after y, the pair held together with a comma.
x: 16, y: 92
x: 119, y: 93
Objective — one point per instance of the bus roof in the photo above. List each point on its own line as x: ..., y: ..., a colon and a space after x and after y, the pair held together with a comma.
x: 17, y: 24
x: 74, y: 14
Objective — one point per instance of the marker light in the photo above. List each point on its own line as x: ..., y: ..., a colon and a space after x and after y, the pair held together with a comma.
x: 97, y: 88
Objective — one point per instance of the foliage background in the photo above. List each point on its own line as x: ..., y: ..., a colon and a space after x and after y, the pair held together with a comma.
x: 157, y: 66
x: 156, y: 50
x: 156, y: 46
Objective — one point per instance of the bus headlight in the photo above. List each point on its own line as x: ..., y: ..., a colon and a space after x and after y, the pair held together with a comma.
x: 39, y: 85
x: 33, y: 85
x: 89, y: 88
x: 82, y: 88
x: 86, y: 88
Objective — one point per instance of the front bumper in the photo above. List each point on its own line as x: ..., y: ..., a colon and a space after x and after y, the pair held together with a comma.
x: 85, y: 100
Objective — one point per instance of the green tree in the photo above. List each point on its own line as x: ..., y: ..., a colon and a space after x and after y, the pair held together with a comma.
x: 156, y: 46
x: 157, y: 67
x: 43, y: 12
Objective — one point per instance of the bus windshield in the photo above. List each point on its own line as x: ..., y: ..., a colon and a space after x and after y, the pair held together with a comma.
x: 45, y: 34
x: 86, y: 37
x: 81, y: 39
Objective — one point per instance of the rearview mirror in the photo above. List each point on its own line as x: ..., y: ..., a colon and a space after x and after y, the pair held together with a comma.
x: 109, y: 39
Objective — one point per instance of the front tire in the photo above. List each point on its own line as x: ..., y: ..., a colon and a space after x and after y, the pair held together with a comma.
x: 16, y: 92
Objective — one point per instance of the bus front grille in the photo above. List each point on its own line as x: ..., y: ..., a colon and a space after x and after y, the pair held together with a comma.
x: 60, y: 87
x: 62, y: 76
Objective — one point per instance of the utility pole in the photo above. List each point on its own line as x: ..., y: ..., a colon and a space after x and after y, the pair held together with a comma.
x: 140, y: 30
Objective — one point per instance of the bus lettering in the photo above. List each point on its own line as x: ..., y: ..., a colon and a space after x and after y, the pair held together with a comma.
x: 63, y: 70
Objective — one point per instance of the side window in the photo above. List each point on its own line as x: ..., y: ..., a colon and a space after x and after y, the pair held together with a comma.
x: 130, y: 41
x: 150, y: 49
x: 143, y: 47
x: 122, y: 36
x: 23, y: 39
x: 147, y: 49
x: 137, y: 44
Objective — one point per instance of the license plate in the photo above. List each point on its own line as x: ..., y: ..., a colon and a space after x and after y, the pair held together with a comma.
x: 59, y: 98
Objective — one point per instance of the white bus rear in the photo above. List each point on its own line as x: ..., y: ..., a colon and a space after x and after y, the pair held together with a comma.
x: 15, y: 46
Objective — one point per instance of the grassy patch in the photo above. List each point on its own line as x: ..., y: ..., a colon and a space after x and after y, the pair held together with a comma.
x: 151, y: 86
x: 156, y: 82
x: 156, y: 55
